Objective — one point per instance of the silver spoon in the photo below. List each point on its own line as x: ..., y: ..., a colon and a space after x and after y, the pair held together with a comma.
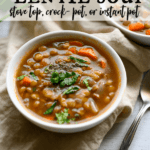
x: 145, y: 96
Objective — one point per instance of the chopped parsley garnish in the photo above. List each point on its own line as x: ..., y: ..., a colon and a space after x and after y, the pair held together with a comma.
x: 50, y: 110
x: 79, y: 61
x: 55, y: 77
x: 47, y: 70
x: 34, y: 89
x: 76, y: 115
x: 69, y: 81
x: 66, y: 75
x: 83, y: 65
x: 71, y: 90
x: 21, y: 77
x: 34, y: 76
x: 85, y: 81
x: 63, y: 78
x: 63, y: 117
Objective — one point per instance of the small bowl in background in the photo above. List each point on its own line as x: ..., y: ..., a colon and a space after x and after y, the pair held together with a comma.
x: 137, y: 37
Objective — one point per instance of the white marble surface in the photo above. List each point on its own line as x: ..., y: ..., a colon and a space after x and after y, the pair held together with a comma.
x: 141, y: 140
x: 115, y: 136
x: 4, y: 29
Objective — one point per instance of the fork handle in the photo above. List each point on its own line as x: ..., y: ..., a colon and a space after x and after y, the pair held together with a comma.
x: 131, y: 132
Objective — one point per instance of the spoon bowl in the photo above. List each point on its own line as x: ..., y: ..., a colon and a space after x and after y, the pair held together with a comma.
x: 145, y: 90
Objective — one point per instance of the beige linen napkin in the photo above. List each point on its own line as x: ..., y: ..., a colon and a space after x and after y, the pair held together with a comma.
x: 17, y: 133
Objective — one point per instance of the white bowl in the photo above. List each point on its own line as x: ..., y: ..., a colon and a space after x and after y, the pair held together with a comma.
x: 70, y: 128
x: 137, y: 37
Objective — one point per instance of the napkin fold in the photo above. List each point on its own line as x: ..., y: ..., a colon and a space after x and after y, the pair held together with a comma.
x: 17, y: 133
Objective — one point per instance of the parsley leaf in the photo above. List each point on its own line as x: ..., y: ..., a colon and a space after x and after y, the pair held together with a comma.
x: 47, y: 70
x: 76, y: 115
x: 21, y: 77
x: 83, y: 65
x: 55, y: 74
x: 69, y: 81
x: 69, y: 75
x: 71, y: 90
x: 85, y: 81
x: 50, y: 110
x: 56, y: 77
x: 66, y: 75
x: 34, y: 89
x: 62, y: 76
x: 63, y: 117
x: 79, y: 61
x: 34, y: 76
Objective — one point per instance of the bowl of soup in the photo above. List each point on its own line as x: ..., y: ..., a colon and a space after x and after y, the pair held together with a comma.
x: 66, y: 81
x: 138, y: 31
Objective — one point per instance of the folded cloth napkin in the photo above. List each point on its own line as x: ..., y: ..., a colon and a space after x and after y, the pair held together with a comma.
x: 17, y: 133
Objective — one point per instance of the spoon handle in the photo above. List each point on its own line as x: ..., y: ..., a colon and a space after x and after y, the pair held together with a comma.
x: 131, y: 132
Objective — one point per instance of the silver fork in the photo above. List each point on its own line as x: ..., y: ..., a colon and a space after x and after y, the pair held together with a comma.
x: 145, y: 97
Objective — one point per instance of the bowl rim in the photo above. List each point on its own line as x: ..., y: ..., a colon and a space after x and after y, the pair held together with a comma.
x: 121, y: 27
x: 126, y: 30
x: 93, y: 121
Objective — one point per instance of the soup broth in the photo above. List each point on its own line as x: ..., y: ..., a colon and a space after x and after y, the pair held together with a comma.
x: 67, y: 82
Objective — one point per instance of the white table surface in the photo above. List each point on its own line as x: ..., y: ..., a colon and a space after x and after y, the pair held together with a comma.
x: 113, y: 139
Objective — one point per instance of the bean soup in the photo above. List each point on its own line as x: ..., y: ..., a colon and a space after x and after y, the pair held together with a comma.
x: 67, y: 82
x: 139, y: 27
